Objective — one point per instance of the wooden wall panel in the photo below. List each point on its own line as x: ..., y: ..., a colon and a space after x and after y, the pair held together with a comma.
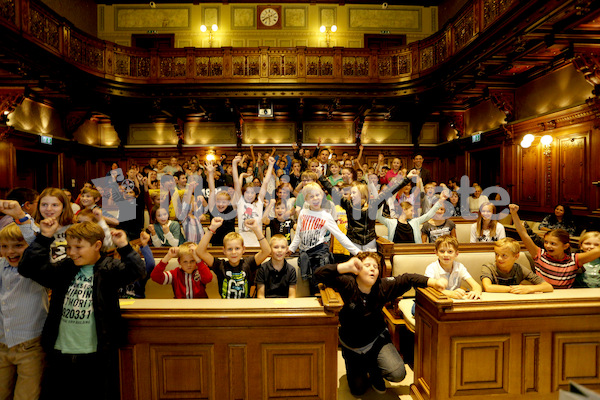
x: 509, y: 348
x: 238, y: 371
x: 531, y: 363
x: 129, y: 381
x: 576, y: 358
x: 529, y: 176
x: 480, y: 365
x: 185, y: 371
x: 293, y: 371
x: 572, y: 161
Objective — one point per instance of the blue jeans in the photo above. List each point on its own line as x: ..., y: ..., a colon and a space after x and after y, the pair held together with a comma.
x: 382, y: 360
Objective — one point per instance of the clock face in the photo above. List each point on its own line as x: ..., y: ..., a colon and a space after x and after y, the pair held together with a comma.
x: 269, y: 17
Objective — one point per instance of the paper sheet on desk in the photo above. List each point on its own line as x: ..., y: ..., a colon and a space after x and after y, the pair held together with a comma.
x: 126, y: 302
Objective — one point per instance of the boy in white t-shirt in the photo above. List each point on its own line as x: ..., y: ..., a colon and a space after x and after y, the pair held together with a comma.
x: 446, y: 248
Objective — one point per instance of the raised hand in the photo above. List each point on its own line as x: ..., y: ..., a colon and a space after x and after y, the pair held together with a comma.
x: 119, y: 238
x: 236, y: 160
x: 172, y: 253
x: 12, y: 208
x: 271, y: 160
x: 513, y: 208
x: 352, y: 266
x: 216, y: 223
x: 413, y: 173
x: 252, y: 224
x: 98, y: 213
x: 361, y: 147
x: 152, y: 230
x: 49, y: 226
x: 444, y: 195
x: 144, y: 238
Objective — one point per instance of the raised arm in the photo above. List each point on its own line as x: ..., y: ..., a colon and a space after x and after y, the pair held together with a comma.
x: 212, y: 195
x: 265, y: 219
x: 531, y: 247
x: 263, y: 187
x: 202, y: 249
x: 236, y: 179
x: 265, y: 249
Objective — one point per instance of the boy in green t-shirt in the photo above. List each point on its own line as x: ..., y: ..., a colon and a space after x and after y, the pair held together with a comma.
x: 83, y: 330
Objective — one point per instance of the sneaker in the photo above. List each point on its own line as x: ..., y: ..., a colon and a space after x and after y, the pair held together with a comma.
x: 378, y: 384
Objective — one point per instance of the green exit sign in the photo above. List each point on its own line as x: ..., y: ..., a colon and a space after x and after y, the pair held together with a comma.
x: 384, y: 32
x: 46, y: 139
x: 476, y: 138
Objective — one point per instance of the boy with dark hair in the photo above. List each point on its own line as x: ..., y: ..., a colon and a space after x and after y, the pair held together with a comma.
x: 84, y: 328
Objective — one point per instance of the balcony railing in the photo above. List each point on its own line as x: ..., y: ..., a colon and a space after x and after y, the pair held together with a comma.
x: 38, y: 24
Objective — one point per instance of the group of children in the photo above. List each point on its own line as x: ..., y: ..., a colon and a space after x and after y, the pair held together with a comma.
x: 79, y: 331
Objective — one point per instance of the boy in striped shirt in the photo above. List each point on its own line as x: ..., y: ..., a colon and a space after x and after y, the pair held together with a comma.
x: 23, y: 311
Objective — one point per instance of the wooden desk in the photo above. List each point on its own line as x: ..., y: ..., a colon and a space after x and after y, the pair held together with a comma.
x: 229, y: 349
x: 512, y: 346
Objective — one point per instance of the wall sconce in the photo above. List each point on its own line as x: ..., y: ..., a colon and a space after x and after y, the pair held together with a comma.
x: 213, y: 29
x: 328, y: 30
x: 546, y: 141
x: 527, y: 141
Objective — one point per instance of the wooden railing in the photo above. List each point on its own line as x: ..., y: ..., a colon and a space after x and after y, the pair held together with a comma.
x: 40, y: 25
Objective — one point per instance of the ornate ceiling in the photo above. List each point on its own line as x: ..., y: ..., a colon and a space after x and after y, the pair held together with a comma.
x: 487, y: 51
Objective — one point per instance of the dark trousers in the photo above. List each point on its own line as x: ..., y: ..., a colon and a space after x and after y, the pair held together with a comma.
x: 81, y: 376
x: 381, y: 361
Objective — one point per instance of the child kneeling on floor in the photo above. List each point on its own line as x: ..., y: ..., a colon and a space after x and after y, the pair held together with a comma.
x: 367, y: 348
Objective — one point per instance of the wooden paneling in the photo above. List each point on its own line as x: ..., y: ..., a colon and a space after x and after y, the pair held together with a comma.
x: 238, y: 371
x: 182, y: 371
x: 573, y: 163
x: 576, y: 358
x: 293, y: 372
x: 506, y: 346
x: 480, y: 365
x: 229, y: 349
x: 531, y: 362
x: 529, y: 176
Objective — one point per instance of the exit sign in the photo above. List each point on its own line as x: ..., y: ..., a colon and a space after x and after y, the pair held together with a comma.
x: 384, y: 32
x: 476, y: 138
x: 46, y: 139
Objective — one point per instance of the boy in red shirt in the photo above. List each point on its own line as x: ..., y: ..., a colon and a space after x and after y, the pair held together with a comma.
x: 189, y: 280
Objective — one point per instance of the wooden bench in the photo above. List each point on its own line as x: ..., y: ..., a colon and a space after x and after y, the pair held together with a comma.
x: 413, y: 258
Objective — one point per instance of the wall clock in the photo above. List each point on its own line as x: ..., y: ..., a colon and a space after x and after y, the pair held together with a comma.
x: 268, y: 17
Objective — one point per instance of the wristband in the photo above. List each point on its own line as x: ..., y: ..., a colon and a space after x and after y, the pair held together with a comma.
x: 21, y: 221
x: 262, y: 238
x: 211, y: 231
